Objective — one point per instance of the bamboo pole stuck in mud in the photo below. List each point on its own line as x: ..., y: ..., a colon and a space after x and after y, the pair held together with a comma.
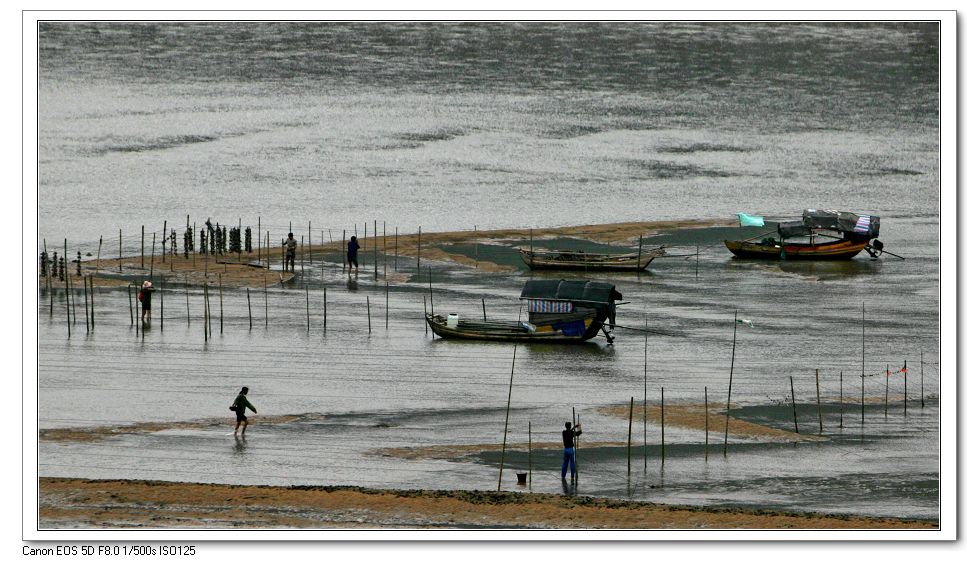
x: 706, y: 427
x: 137, y: 310
x: 207, y: 292
x: 841, y: 400
x: 204, y: 296
x: 730, y: 382
x: 368, y: 315
x: 431, y: 293
x: 343, y: 255
x: 922, y: 366
x: 645, y: 402
x: 306, y: 288
x: 395, y: 249
x: 418, y: 256
x: 484, y: 308
x: 85, y: 296
x: 639, y: 255
x: 384, y: 248
x: 268, y: 255
x: 506, y: 423
x: 129, y: 292
x: 220, y: 305
x: 163, y: 253
x: 476, y: 245
x: 696, y: 270
x: 425, y: 315
x: 142, y: 247
x: 863, y: 359
x: 530, y: 458
x: 819, y: 408
x: 887, y: 384
x: 74, y: 297
x: 662, y: 427
x: 248, y: 295
x: 207, y: 237
x: 259, y: 240
x: 904, y: 372
x: 91, y: 284
x: 387, y: 300
x: 265, y: 285
x: 302, y: 258
x: 574, y: 449
x: 152, y: 254
x: 324, y: 310
x: 98, y: 257
x: 120, y: 250
x: 375, y: 248
x: 795, y: 418
x: 628, y: 448
x: 163, y: 286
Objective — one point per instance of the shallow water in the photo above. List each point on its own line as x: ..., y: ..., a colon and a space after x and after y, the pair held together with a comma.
x: 358, y: 391
x: 430, y: 125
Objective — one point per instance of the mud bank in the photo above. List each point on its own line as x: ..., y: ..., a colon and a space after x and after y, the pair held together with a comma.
x: 81, y: 503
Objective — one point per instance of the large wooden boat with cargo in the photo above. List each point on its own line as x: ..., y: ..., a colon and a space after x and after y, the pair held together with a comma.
x: 820, y: 235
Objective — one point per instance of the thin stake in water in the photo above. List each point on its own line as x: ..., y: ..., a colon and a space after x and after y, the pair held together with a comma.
x: 730, y: 382
x: 795, y: 418
x: 506, y: 423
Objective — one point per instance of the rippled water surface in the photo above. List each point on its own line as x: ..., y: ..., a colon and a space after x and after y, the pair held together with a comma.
x: 450, y: 126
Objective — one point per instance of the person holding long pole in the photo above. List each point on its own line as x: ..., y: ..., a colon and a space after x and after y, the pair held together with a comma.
x: 568, y: 435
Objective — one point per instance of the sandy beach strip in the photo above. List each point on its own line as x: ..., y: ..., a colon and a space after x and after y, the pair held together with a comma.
x: 246, y: 271
x: 100, y: 504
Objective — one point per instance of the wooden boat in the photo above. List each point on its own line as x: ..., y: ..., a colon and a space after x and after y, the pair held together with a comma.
x: 558, y: 311
x: 581, y: 261
x: 820, y: 235
x: 833, y: 249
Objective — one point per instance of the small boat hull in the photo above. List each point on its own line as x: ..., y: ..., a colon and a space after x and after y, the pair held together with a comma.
x: 576, y: 261
x: 838, y: 249
x: 581, y: 331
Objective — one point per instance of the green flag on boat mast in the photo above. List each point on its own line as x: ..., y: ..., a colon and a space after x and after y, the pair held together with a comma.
x: 750, y: 220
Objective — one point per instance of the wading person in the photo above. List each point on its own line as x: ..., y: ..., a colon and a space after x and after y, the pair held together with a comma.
x: 352, y: 247
x: 145, y: 296
x: 239, y: 405
x: 290, y: 252
x: 568, y: 435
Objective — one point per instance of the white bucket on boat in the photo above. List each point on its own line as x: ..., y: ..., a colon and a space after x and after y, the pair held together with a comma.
x: 452, y: 321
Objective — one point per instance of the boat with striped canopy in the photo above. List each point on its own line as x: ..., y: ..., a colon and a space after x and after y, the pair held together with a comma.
x: 558, y: 311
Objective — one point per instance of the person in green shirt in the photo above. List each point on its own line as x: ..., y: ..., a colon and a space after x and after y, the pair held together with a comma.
x: 239, y: 405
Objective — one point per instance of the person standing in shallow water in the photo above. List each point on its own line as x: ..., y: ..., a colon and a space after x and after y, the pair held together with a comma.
x: 146, y: 297
x: 290, y: 252
x: 352, y: 247
x: 568, y: 435
x: 239, y: 405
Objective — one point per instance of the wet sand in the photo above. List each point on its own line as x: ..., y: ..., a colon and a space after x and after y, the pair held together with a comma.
x: 693, y: 417
x: 246, y: 270
x: 82, y: 503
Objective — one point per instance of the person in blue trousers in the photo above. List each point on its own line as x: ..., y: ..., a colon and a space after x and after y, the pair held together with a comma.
x: 568, y: 435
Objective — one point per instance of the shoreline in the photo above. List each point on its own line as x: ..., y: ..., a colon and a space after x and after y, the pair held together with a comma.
x: 245, y: 270
x: 145, y: 504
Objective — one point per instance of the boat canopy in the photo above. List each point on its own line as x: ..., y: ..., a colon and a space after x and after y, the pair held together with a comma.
x: 578, y: 291
x: 793, y: 228
x: 846, y: 222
